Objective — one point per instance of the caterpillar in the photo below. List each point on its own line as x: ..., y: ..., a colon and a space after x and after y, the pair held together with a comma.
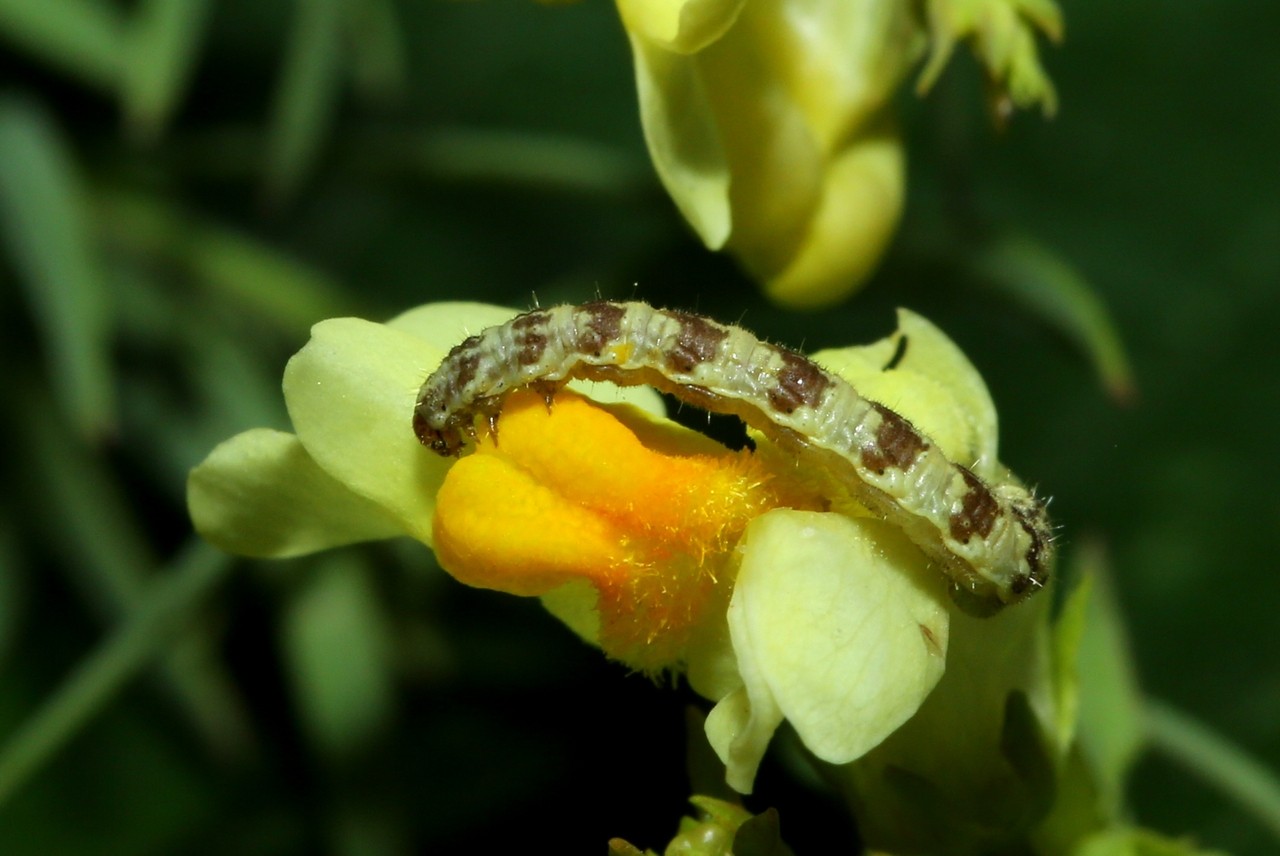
x: 993, y: 541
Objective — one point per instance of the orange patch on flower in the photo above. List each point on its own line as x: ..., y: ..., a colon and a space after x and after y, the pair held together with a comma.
x: 646, y: 511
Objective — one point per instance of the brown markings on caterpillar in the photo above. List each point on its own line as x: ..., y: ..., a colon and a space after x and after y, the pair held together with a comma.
x: 530, y: 337
x: 978, y: 510
x: 697, y: 343
x: 465, y: 357
x: 1035, y: 552
x: 468, y: 360
x: 994, y: 542
x: 604, y: 325
x: 426, y: 434
x: 800, y: 383
x: 898, y: 444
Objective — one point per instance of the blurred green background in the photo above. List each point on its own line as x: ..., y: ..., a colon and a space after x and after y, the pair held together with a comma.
x: 186, y: 186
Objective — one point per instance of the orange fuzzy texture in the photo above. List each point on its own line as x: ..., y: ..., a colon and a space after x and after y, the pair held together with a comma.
x: 647, y: 512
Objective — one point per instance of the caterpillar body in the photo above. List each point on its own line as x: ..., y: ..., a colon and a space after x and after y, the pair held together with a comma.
x: 992, y: 540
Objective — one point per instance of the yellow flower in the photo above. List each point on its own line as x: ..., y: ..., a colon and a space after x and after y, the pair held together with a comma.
x: 670, y: 552
x: 767, y: 122
x: 771, y: 123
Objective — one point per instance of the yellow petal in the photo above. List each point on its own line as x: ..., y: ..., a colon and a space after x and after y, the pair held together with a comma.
x: 260, y: 494
x: 840, y: 60
x: 499, y: 528
x: 446, y: 323
x: 351, y: 392
x: 775, y: 160
x: 682, y: 26
x: 684, y: 142
x: 861, y: 202
x: 839, y: 626
x: 933, y: 385
x: 645, y: 511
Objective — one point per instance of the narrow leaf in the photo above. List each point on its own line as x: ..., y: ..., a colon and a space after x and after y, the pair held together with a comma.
x: 13, y: 599
x: 84, y: 38
x: 256, y: 278
x: 88, y: 517
x: 1068, y: 630
x: 144, y: 637
x: 337, y: 645
x: 378, y: 56
x: 1040, y: 279
x: 1109, y: 696
x: 1219, y: 762
x: 44, y: 222
x: 306, y: 95
x: 164, y: 42
x: 761, y: 836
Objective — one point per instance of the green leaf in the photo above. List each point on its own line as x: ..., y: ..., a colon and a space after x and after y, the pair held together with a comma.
x: 226, y: 386
x: 337, y: 646
x: 761, y: 836
x: 1216, y: 760
x: 1111, y: 724
x: 142, y: 638
x: 84, y: 514
x: 306, y: 95
x: 13, y: 587
x: 1075, y: 811
x: 1137, y: 842
x: 43, y: 214
x: 378, y: 57
x: 163, y: 44
x: 544, y: 162
x: 1058, y: 294
x: 712, y: 832
x: 255, y: 276
x: 88, y: 519
x: 84, y: 38
x: 1068, y: 630
x: 1023, y: 745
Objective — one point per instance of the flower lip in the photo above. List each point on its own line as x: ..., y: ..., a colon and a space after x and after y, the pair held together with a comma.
x: 647, y: 512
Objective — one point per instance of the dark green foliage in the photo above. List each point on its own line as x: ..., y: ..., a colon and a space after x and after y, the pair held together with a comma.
x: 185, y: 186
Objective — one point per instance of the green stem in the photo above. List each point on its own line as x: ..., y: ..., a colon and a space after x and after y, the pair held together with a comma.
x: 142, y: 638
x: 1217, y: 761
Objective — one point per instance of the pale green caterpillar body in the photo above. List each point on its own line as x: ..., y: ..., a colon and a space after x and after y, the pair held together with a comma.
x: 994, y: 541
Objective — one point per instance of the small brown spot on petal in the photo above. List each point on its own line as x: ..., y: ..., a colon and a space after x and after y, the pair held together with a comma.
x: 931, y: 641
x: 697, y: 342
x: 978, y: 510
x: 897, y: 445
x: 604, y: 325
x: 800, y: 383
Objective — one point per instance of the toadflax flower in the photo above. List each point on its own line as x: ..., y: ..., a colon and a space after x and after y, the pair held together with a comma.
x: 779, y: 598
x: 771, y: 122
